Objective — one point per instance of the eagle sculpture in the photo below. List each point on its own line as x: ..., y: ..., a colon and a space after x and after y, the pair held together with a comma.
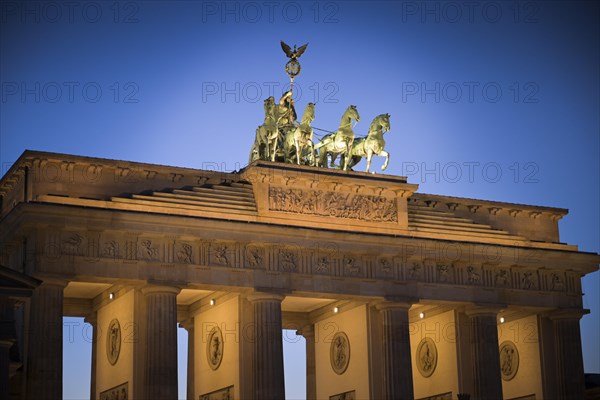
x: 293, y: 54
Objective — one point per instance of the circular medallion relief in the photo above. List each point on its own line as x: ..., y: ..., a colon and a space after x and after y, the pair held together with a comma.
x: 509, y: 360
x: 113, y: 341
x: 339, y: 353
x: 214, y: 348
x: 426, y: 357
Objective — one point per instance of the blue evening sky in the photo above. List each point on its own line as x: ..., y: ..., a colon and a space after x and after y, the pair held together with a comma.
x: 492, y: 100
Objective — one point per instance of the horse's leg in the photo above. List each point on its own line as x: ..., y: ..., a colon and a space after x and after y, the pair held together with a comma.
x: 369, y: 156
x: 274, y: 150
x: 333, y: 158
x: 297, y: 151
x: 387, y: 159
x: 344, y: 165
x: 348, y: 151
x: 313, y: 158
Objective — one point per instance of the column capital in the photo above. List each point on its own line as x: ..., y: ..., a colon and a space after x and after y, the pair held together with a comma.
x: 91, y: 318
x: 567, y: 313
x: 483, y: 310
x: 52, y: 281
x: 265, y: 296
x: 152, y: 288
x: 308, y: 331
x: 188, y: 324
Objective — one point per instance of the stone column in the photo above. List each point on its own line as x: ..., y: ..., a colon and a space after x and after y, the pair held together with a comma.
x: 396, y: 368
x: 92, y: 319
x: 45, y: 352
x: 188, y: 325
x: 487, y: 381
x: 311, y: 379
x: 570, y: 383
x: 267, y: 349
x: 160, y: 369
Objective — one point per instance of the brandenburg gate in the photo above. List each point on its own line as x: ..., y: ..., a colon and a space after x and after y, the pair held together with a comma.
x: 399, y: 294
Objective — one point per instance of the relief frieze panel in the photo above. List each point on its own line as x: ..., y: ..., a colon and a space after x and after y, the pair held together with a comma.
x: 324, y: 259
x: 254, y: 256
x: 370, y: 208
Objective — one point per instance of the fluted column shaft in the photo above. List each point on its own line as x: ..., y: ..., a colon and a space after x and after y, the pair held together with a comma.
x: 570, y: 383
x: 160, y: 371
x: 487, y: 381
x: 267, y: 349
x: 311, y: 379
x: 397, y: 368
x: 45, y: 353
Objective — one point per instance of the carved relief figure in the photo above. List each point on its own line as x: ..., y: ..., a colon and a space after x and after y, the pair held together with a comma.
x: 322, y: 264
x: 443, y: 273
x: 254, y: 257
x: 426, y: 357
x: 386, y: 265
x: 117, y: 393
x: 351, y: 267
x: 287, y: 260
x: 414, y: 271
x: 339, y: 353
x: 501, y: 278
x: 221, y: 254
x: 111, y: 249
x: 184, y: 255
x: 557, y: 283
x: 73, y: 243
x: 527, y: 281
x: 113, y: 341
x: 214, y: 348
x: 474, y: 276
x: 509, y: 360
x: 332, y: 204
x: 150, y: 252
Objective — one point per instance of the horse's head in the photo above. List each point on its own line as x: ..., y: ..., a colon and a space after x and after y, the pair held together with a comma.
x: 385, y: 122
x: 268, y: 104
x: 352, y: 113
x: 309, y: 113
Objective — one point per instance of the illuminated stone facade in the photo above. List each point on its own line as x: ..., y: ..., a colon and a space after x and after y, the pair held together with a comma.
x: 399, y: 294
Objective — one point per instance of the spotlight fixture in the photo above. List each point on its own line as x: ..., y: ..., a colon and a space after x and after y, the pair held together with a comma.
x: 501, y: 320
x: 336, y: 310
x: 111, y: 296
x: 421, y: 315
x: 212, y: 302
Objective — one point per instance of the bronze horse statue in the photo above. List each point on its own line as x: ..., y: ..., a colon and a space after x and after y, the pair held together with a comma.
x: 340, y: 142
x: 298, y: 142
x: 372, y: 144
x: 267, y: 134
